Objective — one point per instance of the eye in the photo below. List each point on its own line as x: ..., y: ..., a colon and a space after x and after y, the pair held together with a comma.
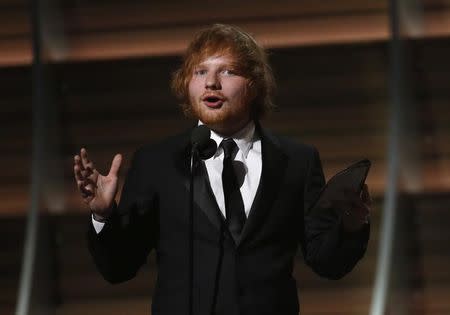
x: 228, y: 72
x: 200, y: 72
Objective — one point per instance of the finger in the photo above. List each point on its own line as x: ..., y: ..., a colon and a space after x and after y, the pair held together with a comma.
x: 87, y: 172
x: 365, y: 195
x: 89, y: 184
x: 359, y: 199
x: 115, y: 165
x: 77, y: 173
x: 85, y: 159
x: 85, y: 193
x: 83, y: 183
x: 359, y: 214
x: 77, y: 161
x: 344, y: 203
x: 361, y: 211
x: 347, y: 200
x: 82, y: 174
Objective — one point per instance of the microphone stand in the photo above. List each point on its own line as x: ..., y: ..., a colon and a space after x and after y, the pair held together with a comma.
x: 195, y: 159
x: 194, y: 163
x: 218, y: 267
x: 203, y: 147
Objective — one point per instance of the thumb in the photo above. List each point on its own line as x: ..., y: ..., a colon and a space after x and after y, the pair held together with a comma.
x: 365, y: 195
x: 115, y: 165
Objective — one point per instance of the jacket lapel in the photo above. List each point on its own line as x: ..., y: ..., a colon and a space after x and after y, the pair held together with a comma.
x: 273, y: 169
x: 203, y: 196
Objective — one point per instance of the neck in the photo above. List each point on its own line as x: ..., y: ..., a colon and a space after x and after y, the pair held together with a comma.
x: 227, y: 131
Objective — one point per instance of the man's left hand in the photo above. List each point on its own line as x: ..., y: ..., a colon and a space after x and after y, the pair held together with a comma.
x: 356, y: 213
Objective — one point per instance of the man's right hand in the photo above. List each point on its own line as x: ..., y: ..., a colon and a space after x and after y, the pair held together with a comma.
x: 98, y: 191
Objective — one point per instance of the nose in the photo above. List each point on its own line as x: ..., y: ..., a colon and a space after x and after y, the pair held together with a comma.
x: 212, y: 81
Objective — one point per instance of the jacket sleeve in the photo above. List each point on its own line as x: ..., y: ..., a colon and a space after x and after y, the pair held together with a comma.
x: 123, y: 244
x: 328, y: 249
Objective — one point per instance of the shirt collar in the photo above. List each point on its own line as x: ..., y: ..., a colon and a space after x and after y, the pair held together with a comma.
x: 244, y: 138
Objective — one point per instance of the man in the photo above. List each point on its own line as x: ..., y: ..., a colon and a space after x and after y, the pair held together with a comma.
x: 248, y: 222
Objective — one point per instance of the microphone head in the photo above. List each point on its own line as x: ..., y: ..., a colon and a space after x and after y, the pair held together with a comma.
x: 200, y: 136
x: 200, y: 140
x: 209, y: 150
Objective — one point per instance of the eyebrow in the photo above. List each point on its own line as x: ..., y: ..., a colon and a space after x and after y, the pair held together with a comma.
x: 233, y: 65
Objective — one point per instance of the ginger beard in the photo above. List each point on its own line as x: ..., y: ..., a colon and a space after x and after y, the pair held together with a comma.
x: 219, y: 96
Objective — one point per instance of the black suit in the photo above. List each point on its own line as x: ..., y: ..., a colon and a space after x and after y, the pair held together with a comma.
x: 256, y: 274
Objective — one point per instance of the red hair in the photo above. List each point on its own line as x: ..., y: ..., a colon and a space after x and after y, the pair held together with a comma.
x: 250, y: 57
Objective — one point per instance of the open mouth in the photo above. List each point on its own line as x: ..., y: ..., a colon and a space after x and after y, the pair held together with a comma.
x: 213, y: 101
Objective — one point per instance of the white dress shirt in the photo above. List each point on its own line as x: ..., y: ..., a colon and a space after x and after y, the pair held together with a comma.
x: 249, y: 154
x: 247, y: 163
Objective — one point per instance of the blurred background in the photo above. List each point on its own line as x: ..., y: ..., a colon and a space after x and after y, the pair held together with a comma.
x: 356, y: 78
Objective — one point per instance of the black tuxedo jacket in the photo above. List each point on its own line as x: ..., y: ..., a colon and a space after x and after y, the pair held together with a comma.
x: 255, y: 276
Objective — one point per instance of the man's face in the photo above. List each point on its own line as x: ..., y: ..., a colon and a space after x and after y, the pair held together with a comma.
x: 219, y: 95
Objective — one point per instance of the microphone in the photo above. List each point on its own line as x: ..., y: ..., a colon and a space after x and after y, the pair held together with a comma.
x: 202, y: 143
x: 203, y: 147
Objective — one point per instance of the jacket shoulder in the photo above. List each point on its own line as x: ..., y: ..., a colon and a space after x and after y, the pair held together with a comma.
x: 164, y: 147
x: 289, y: 145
